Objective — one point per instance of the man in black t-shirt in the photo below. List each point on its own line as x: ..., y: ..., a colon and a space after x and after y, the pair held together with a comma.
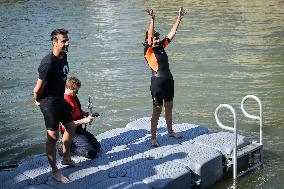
x: 49, y: 96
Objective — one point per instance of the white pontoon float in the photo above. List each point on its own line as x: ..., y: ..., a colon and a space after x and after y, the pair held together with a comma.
x: 127, y: 160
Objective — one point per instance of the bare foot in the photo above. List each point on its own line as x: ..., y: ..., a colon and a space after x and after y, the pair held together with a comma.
x: 175, y: 135
x: 70, y: 163
x: 154, y: 142
x: 60, y: 178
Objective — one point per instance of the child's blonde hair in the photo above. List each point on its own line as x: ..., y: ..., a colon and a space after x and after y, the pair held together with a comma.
x: 73, y: 83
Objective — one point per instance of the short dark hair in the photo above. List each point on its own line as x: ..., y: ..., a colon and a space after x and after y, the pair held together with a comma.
x: 156, y: 34
x: 54, y: 33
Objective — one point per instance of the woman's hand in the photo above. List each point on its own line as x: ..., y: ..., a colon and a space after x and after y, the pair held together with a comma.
x: 181, y: 12
x: 150, y: 12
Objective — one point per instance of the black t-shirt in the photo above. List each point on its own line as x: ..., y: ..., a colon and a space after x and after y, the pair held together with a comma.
x: 54, y: 71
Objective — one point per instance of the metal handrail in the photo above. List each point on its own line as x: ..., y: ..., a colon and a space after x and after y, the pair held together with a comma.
x: 230, y: 129
x: 260, y: 117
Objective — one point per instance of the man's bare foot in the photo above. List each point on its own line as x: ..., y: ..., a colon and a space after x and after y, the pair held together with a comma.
x: 60, y: 178
x: 70, y: 163
x: 175, y: 135
x: 154, y: 142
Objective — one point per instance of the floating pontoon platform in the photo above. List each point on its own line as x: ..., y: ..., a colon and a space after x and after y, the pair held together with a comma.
x: 128, y: 161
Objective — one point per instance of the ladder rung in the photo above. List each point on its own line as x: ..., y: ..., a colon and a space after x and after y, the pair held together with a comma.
x: 250, y: 169
x: 249, y: 149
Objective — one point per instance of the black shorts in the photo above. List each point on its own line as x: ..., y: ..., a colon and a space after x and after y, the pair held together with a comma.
x: 55, y: 110
x: 162, y: 89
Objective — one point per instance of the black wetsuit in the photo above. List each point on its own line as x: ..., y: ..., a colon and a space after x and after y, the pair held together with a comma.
x: 162, y: 83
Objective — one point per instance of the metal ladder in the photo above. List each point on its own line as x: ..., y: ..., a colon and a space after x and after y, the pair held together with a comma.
x: 251, y: 149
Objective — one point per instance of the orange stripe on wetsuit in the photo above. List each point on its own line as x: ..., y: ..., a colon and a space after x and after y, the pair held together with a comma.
x: 151, y: 57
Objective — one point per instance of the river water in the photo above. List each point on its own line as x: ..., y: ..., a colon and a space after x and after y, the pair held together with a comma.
x: 223, y: 51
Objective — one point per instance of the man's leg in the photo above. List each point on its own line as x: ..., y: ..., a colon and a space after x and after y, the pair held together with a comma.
x: 52, y: 137
x: 68, y: 135
x: 154, y: 123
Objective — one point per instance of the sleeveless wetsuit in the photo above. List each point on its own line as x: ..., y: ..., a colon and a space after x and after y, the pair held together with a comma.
x: 76, y: 110
x: 162, y: 83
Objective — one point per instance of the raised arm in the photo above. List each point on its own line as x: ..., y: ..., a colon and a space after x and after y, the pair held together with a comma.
x: 173, y: 31
x: 151, y: 26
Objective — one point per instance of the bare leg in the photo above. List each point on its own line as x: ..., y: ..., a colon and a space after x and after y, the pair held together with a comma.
x: 169, y: 115
x: 154, y: 123
x: 52, y: 137
x: 169, y: 119
x: 68, y: 135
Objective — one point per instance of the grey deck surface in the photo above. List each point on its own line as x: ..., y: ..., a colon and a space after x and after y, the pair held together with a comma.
x: 128, y: 161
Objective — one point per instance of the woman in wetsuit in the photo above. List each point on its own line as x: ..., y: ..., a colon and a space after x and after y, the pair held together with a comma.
x: 162, y: 82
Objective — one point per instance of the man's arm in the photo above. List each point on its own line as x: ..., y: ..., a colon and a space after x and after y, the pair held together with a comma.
x: 40, y: 84
x: 173, y: 31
